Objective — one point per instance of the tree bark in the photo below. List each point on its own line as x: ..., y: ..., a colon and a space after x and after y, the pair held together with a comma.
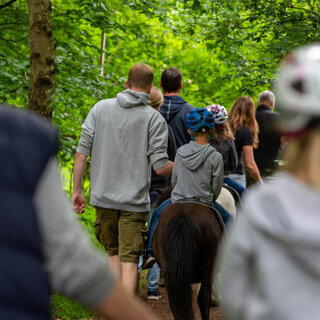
x: 42, y: 57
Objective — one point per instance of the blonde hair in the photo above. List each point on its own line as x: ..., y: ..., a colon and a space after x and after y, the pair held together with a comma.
x: 156, y: 98
x: 302, y: 157
x: 242, y: 114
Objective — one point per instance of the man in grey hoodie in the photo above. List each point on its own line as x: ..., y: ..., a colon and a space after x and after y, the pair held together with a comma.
x: 125, y: 138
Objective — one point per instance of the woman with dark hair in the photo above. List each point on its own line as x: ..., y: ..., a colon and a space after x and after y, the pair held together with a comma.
x: 223, y: 141
x: 243, y: 124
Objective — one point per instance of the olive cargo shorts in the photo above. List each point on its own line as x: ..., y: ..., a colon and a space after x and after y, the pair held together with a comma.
x: 121, y: 233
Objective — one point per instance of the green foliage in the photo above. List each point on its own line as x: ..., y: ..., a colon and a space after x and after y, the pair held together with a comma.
x: 63, y: 308
x: 223, y: 48
x: 252, y: 36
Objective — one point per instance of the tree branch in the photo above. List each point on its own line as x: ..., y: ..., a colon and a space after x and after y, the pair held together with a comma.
x: 7, y: 4
x: 14, y: 40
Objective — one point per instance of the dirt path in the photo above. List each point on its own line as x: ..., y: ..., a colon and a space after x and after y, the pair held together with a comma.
x: 161, y: 307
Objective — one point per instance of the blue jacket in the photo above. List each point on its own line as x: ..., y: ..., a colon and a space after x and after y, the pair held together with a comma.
x: 174, y: 110
x: 26, y: 144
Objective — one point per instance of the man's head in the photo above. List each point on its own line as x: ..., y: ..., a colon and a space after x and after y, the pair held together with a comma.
x: 140, y: 78
x: 267, y: 98
x: 171, y: 80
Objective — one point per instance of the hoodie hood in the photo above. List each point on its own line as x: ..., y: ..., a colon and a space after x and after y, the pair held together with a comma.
x: 129, y: 99
x: 193, y: 155
x: 171, y: 106
x: 288, y: 212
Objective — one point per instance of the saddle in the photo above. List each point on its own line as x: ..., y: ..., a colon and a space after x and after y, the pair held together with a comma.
x: 235, y: 194
x: 207, y: 204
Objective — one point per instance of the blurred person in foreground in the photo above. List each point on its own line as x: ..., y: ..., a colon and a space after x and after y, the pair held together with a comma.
x: 271, y: 263
x: 43, y: 248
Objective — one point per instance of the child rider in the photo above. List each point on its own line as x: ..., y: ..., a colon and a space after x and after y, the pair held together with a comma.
x: 197, y: 173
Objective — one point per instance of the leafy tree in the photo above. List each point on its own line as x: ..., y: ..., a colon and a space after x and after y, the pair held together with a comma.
x: 251, y: 36
x: 223, y: 48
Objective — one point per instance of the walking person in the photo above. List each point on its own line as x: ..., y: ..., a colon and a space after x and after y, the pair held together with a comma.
x: 245, y: 128
x: 43, y: 249
x: 269, y: 136
x: 158, y: 183
x: 125, y: 138
x: 270, y: 263
x: 174, y: 108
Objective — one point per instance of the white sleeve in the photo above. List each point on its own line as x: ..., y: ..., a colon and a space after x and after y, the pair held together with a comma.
x: 75, y: 268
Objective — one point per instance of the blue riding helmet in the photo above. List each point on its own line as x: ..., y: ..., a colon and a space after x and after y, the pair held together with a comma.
x: 198, y: 118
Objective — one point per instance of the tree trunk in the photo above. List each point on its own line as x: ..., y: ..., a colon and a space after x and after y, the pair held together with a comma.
x: 42, y: 57
x: 103, y: 47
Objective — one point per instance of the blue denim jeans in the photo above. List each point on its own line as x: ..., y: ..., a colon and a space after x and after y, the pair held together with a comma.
x: 153, y: 277
x: 236, y: 186
x: 154, y: 221
x: 227, y: 218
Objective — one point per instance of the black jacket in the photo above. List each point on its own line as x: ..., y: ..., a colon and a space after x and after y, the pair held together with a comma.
x: 26, y: 145
x: 269, y: 139
x: 174, y: 110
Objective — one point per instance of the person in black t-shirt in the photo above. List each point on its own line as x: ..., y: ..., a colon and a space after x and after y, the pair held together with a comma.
x: 245, y: 128
x: 269, y: 139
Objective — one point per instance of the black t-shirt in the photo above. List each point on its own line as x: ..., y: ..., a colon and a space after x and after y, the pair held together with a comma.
x: 229, y: 154
x: 269, y: 139
x: 244, y: 137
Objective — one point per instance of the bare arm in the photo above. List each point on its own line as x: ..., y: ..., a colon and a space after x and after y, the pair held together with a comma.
x: 283, y: 141
x: 120, y: 305
x: 250, y: 164
x: 166, y: 171
x: 78, y: 201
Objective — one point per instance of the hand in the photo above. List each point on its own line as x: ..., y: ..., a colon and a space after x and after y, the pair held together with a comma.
x: 78, y: 202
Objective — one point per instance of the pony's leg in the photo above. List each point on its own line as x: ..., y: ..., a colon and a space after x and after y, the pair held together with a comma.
x: 204, y: 297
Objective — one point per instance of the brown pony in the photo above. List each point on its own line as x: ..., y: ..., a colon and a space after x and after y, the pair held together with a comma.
x: 185, y: 244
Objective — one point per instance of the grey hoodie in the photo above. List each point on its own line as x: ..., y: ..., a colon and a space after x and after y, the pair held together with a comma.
x: 271, y: 263
x: 125, y: 137
x: 197, y: 172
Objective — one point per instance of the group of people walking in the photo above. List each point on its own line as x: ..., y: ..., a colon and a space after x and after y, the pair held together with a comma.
x: 141, y: 142
x: 210, y: 147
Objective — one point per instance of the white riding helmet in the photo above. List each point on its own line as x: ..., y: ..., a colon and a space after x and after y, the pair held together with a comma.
x: 219, y: 112
x: 298, y: 88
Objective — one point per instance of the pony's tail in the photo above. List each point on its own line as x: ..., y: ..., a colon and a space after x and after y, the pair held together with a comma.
x: 182, y: 245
